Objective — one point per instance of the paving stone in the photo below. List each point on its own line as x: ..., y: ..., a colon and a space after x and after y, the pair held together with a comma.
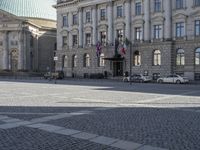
x: 146, y: 147
x: 37, y: 125
x: 104, y: 140
x: 67, y: 132
x: 84, y: 135
x: 126, y: 145
x: 11, y: 120
x: 51, y: 128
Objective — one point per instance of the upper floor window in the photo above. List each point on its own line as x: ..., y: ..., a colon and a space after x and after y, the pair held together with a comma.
x: 157, y: 58
x: 65, y: 24
x: 157, y: 31
x: 197, y: 27
x: 137, y: 58
x: 88, y: 39
x: 157, y: 5
x: 103, y: 37
x: 64, y: 40
x: 88, y: 17
x: 180, y: 57
x: 196, y: 2
x: 75, y: 19
x: 179, y: 4
x: 120, y: 35
x: 75, y: 40
x: 138, y: 33
x: 138, y: 8
x: 103, y: 14
x: 197, y: 56
x: 119, y: 11
x: 180, y: 29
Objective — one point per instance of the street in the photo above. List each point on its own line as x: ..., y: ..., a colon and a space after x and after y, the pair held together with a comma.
x: 98, y: 115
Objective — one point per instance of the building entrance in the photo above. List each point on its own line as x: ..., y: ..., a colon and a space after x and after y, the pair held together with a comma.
x: 14, y: 60
x: 117, y: 68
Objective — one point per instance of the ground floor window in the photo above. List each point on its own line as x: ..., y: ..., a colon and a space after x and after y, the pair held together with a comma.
x: 197, y: 76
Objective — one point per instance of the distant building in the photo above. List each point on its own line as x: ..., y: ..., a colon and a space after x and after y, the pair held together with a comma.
x: 165, y: 36
x: 27, y: 35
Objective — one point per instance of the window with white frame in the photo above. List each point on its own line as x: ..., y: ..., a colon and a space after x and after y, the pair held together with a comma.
x: 197, y: 27
x: 103, y: 37
x: 137, y: 58
x: 75, y: 40
x: 101, y: 62
x: 197, y: 56
x: 120, y: 35
x: 119, y: 11
x: 157, y: 6
x: 138, y: 33
x: 88, y: 39
x: 196, y: 2
x: 64, y: 41
x: 74, y: 61
x: 157, y: 31
x: 86, y: 59
x: 138, y: 8
x: 65, y: 21
x: 157, y: 58
x: 180, y: 29
x: 75, y: 19
x: 179, y: 4
x: 103, y: 14
x: 180, y: 57
x: 88, y: 17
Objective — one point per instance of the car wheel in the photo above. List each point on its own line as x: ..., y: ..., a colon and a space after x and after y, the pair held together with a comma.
x: 160, y: 81
x: 178, y: 82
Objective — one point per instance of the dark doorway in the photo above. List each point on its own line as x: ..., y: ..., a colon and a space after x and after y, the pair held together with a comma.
x: 117, y: 68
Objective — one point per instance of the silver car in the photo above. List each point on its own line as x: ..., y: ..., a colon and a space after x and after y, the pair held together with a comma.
x: 173, y: 79
x: 137, y: 78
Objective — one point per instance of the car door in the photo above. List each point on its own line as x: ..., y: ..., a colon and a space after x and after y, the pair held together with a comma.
x: 167, y: 79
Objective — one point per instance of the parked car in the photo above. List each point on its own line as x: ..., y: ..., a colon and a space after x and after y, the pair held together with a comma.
x: 54, y: 75
x: 173, y: 79
x: 137, y: 78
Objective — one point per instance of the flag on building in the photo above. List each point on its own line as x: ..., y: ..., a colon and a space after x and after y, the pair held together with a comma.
x: 98, y: 49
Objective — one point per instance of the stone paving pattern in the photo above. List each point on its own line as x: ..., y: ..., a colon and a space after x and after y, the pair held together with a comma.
x: 154, y: 115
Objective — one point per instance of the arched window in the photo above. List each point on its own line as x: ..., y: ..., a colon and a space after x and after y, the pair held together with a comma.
x: 197, y: 56
x: 101, y: 60
x: 86, y: 62
x: 180, y: 57
x: 65, y: 62
x: 74, y: 61
x: 137, y: 58
x: 157, y: 58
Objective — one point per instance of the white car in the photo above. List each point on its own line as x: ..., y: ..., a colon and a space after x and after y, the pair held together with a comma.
x: 137, y: 78
x: 173, y: 79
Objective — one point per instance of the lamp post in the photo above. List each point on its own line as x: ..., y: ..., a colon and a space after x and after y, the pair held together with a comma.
x: 131, y: 46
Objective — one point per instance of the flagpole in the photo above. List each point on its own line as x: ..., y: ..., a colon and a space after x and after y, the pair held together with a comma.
x: 130, y: 62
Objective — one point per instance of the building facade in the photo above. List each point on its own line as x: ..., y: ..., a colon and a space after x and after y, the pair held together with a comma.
x: 164, y: 36
x: 27, y: 35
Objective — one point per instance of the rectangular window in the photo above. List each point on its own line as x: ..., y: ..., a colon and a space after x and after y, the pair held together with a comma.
x: 138, y: 33
x: 180, y: 29
x: 75, y: 19
x: 120, y: 35
x: 88, y: 39
x: 103, y: 37
x: 179, y: 4
x: 196, y: 2
x: 75, y: 40
x: 138, y: 8
x: 157, y: 31
x: 157, y: 5
x: 88, y: 17
x: 64, y: 41
x: 103, y: 14
x: 197, y: 27
x: 65, y: 24
x: 119, y: 11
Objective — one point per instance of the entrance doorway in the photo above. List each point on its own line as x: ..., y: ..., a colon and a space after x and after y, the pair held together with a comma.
x: 117, y: 68
x: 14, y: 60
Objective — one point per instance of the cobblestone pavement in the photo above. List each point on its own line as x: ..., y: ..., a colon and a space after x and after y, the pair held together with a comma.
x: 98, y: 115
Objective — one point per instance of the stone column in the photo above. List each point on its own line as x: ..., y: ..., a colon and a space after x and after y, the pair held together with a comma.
x: 21, y: 51
x: 128, y: 19
x: 110, y: 23
x: 5, y: 51
x: 94, y: 25
x: 147, y: 20
x: 70, y: 28
x: 168, y: 20
x: 80, y: 27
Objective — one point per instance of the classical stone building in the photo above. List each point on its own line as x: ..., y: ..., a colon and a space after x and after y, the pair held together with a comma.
x: 27, y: 35
x: 165, y: 37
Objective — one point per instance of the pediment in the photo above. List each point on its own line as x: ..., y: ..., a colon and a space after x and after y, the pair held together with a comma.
x: 138, y: 21
x: 6, y: 17
x: 180, y: 16
x: 158, y: 18
x: 64, y: 32
x: 195, y: 14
